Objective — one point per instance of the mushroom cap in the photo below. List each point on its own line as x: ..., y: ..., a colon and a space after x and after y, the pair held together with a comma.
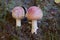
x: 18, y: 12
x: 57, y: 1
x: 34, y: 13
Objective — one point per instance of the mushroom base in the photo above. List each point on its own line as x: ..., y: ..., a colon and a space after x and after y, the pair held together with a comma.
x: 18, y: 23
x: 34, y: 26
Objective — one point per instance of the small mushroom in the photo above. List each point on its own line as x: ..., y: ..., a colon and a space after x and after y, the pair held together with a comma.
x: 18, y: 14
x: 57, y: 1
x: 34, y: 13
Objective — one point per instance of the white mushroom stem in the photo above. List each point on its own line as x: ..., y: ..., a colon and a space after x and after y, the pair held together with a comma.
x: 18, y: 22
x: 34, y: 26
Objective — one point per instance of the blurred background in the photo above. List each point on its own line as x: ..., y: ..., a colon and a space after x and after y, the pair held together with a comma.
x: 49, y: 26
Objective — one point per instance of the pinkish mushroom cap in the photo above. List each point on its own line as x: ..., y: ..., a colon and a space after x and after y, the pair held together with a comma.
x: 18, y: 13
x: 34, y: 13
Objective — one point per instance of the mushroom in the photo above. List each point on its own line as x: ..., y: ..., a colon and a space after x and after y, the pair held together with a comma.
x: 18, y: 14
x: 34, y: 13
x: 57, y: 1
